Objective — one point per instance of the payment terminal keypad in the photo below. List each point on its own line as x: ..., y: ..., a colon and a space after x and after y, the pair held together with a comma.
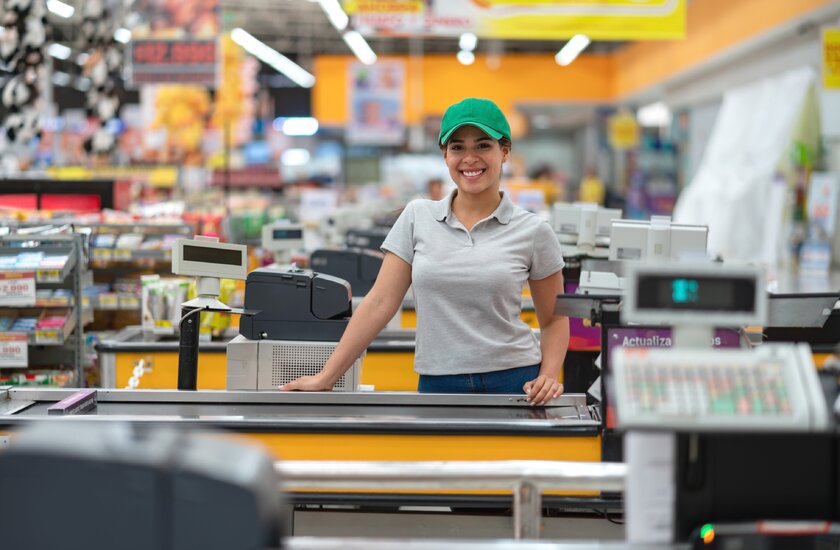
x: 773, y: 387
x: 717, y: 389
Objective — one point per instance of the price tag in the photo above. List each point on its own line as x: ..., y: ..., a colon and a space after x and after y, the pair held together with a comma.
x: 108, y: 301
x: 129, y: 302
x: 14, y: 350
x: 17, y: 288
x: 49, y: 275
x: 103, y: 254
x: 47, y: 337
x: 122, y: 254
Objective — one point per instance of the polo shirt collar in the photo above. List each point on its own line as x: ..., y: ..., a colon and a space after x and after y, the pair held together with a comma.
x: 504, y: 212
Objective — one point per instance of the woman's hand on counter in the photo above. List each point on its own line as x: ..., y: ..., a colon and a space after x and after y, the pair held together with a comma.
x: 316, y: 382
x: 542, y: 389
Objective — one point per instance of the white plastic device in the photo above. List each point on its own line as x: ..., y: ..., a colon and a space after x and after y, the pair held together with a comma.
x: 656, y: 239
x: 282, y: 236
x: 206, y: 257
x: 584, y: 224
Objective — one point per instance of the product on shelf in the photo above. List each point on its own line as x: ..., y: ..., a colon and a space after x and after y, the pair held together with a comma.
x: 24, y: 324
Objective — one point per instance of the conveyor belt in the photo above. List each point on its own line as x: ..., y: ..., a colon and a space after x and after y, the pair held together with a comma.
x: 386, y: 412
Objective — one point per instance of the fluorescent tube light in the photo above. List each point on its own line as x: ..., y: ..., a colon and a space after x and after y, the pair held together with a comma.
x: 294, y: 157
x: 571, y: 49
x: 61, y: 9
x: 360, y: 47
x: 468, y: 41
x: 59, y: 51
x: 297, y: 126
x: 273, y: 58
x: 466, y: 57
x: 122, y: 35
x: 654, y: 115
x: 335, y: 14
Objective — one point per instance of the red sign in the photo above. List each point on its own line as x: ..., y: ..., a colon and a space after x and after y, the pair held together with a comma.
x: 174, y: 61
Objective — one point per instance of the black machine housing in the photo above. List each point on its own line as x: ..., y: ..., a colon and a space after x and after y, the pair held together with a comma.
x: 357, y: 266
x: 295, y: 304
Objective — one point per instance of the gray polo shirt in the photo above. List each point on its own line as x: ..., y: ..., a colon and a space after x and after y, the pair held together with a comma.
x: 468, y: 284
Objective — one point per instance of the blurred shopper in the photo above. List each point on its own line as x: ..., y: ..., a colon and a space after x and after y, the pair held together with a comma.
x: 592, y: 189
x: 434, y: 189
x: 468, y: 257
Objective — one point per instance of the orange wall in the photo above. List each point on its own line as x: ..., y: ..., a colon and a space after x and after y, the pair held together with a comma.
x: 712, y: 26
x: 520, y: 78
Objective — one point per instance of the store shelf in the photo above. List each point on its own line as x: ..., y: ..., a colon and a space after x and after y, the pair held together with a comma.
x: 112, y: 302
x: 101, y: 257
x: 43, y: 274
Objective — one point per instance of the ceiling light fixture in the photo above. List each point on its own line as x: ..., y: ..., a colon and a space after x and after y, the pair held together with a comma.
x: 273, y: 58
x: 360, y: 47
x: 571, y: 49
x: 59, y: 51
x: 297, y: 126
x: 295, y: 157
x: 61, y: 9
x: 335, y: 14
x: 468, y: 41
x: 122, y: 35
x: 654, y: 115
x: 466, y: 57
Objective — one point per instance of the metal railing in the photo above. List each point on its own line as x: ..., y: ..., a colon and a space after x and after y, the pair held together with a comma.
x: 527, y: 480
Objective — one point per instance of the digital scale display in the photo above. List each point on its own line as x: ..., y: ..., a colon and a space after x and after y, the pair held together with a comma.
x: 657, y: 292
x: 212, y: 255
x: 287, y: 234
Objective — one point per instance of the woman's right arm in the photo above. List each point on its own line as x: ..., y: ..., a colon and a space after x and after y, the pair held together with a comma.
x: 376, y: 309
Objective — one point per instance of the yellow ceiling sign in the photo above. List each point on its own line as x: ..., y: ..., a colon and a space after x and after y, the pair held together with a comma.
x: 523, y: 19
x: 831, y: 59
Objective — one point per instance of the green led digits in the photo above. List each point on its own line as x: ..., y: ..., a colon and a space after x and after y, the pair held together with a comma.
x: 684, y: 291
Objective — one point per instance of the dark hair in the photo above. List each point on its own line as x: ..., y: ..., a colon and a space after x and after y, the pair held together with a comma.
x: 503, y: 142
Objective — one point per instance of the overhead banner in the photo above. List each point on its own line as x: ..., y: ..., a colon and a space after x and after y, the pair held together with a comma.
x: 522, y: 19
x: 831, y: 59
x: 376, y: 98
x: 175, y: 42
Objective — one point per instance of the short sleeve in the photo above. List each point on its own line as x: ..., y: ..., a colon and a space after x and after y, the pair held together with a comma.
x: 547, y: 256
x: 400, y: 240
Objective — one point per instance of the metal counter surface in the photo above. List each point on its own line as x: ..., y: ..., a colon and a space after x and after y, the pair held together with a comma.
x: 133, y: 339
x: 317, y: 543
x: 382, y: 412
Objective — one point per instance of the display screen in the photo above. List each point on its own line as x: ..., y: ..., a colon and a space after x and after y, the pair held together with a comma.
x: 696, y: 293
x: 287, y: 234
x: 212, y: 255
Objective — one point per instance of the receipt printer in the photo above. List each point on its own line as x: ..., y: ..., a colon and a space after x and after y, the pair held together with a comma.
x: 357, y: 266
x: 295, y: 304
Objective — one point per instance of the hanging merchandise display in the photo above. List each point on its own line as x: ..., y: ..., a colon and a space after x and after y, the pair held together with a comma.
x: 102, y: 68
x: 22, y: 53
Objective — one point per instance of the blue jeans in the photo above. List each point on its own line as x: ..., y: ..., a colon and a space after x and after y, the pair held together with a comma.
x: 508, y: 381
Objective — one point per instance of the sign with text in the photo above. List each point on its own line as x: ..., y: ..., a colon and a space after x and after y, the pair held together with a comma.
x: 174, y: 61
x: 523, y: 19
x: 661, y: 337
x: 17, y: 288
x: 831, y: 58
x: 14, y: 349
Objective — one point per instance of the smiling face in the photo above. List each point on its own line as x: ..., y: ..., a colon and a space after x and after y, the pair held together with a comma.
x: 475, y: 161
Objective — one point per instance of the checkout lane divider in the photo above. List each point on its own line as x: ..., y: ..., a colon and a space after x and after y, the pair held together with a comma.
x: 525, y: 479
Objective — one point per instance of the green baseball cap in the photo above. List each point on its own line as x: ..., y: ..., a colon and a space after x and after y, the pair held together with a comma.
x: 481, y: 113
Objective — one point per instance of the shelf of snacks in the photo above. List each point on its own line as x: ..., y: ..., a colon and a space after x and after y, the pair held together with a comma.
x: 42, y: 315
x: 42, y: 327
x: 48, y: 267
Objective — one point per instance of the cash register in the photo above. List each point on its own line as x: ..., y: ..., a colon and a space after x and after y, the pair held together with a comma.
x: 583, y: 228
x: 719, y: 437
x: 302, y: 315
x: 657, y: 240
x: 357, y: 266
